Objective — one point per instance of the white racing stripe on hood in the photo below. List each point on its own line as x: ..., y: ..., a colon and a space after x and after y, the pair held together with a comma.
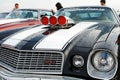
x: 18, y: 37
x: 59, y: 39
x: 4, y: 21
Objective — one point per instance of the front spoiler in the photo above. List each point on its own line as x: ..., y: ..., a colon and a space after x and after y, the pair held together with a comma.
x: 7, y: 75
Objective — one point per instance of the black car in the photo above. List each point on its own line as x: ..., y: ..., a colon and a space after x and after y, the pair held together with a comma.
x: 77, y: 43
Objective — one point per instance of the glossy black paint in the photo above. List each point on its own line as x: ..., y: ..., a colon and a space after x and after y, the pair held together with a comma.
x: 99, y: 36
x: 84, y: 43
x: 92, y: 36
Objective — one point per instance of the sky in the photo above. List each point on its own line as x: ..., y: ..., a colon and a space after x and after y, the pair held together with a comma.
x: 8, y: 5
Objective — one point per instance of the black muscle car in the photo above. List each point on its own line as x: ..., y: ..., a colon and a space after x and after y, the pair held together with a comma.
x: 77, y: 43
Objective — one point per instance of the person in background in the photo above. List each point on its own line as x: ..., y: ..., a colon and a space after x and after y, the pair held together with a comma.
x: 102, y: 2
x: 16, y: 6
x: 58, y: 6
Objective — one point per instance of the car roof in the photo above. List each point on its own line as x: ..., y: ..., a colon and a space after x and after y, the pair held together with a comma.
x: 32, y: 9
x: 87, y: 7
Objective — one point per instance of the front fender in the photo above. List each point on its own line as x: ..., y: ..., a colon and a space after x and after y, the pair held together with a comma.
x: 111, y: 46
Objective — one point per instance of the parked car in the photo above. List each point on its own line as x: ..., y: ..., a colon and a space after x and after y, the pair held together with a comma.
x: 3, y: 15
x: 28, y: 13
x: 22, y: 18
x: 77, y: 43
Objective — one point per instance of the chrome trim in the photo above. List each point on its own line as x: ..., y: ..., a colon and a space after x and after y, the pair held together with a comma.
x: 97, y: 74
x: 7, y: 75
x: 33, y: 71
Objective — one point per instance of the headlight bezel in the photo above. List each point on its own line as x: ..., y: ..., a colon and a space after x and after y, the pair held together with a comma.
x: 98, y: 74
x: 102, y: 52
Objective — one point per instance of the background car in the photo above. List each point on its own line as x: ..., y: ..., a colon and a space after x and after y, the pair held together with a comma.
x: 22, y: 18
x: 3, y: 15
x: 28, y: 13
x: 76, y: 43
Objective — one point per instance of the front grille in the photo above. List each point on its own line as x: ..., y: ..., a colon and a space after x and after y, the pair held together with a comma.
x: 31, y: 61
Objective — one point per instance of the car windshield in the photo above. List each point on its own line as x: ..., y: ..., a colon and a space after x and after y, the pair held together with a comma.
x: 23, y: 14
x: 99, y: 14
x: 3, y: 15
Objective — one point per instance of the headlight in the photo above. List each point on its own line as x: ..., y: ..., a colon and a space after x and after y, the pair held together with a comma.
x: 78, y: 61
x: 103, y: 61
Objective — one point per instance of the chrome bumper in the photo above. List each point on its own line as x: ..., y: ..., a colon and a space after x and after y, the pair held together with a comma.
x: 59, y: 78
x: 43, y: 77
x: 7, y: 75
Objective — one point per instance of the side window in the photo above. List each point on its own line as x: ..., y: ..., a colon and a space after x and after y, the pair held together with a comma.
x: 35, y: 15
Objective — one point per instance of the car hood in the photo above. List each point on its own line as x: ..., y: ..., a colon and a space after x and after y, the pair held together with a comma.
x: 94, y: 34
x: 5, y: 21
x: 35, y: 38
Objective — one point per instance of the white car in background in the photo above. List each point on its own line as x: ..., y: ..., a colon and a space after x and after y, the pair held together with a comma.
x: 23, y: 18
x: 25, y: 14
